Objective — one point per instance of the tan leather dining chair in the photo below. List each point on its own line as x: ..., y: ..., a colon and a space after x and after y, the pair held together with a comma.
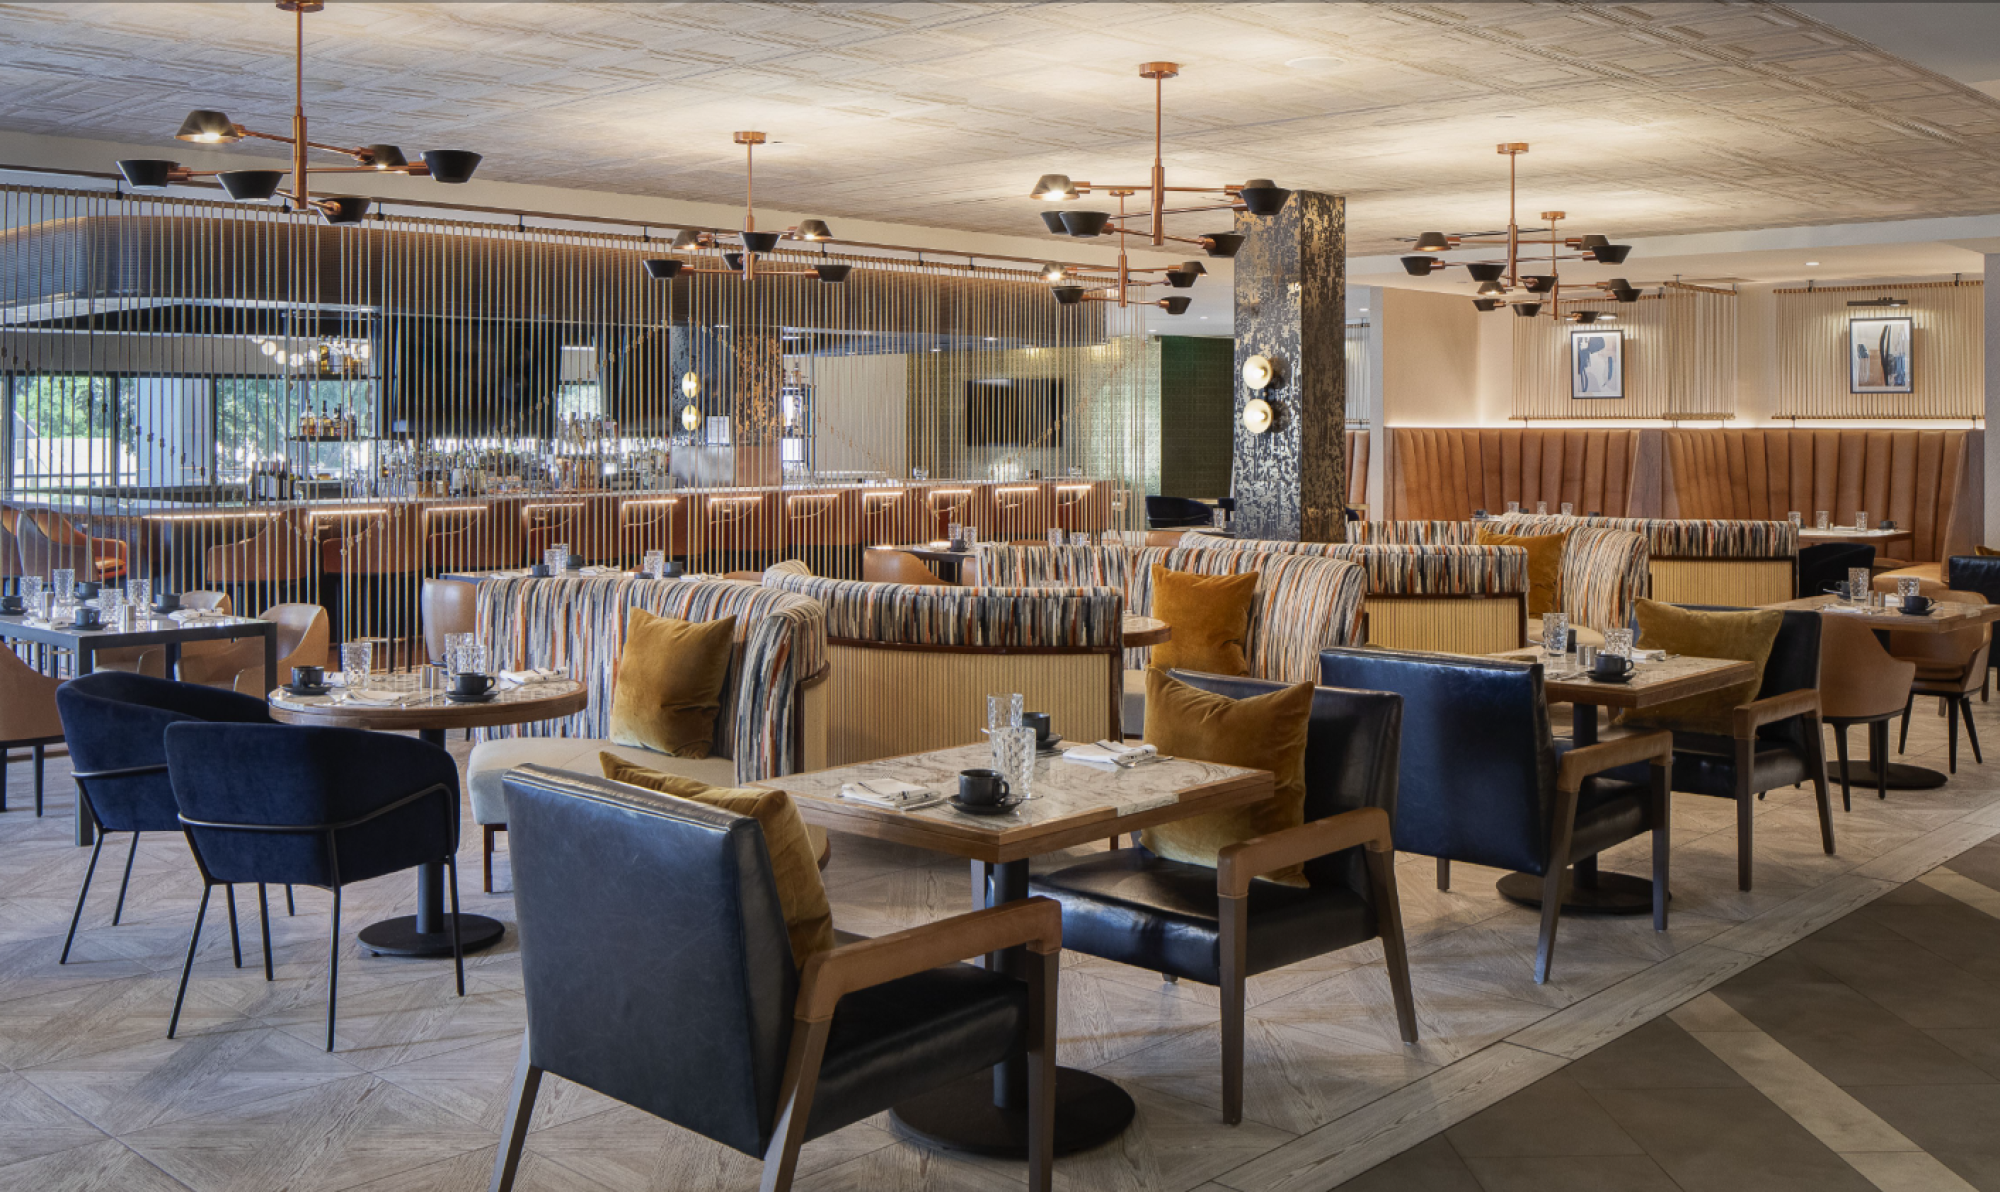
x: 448, y: 606
x: 1860, y: 683
x: 1950, y: 666
x: 896, y: 567
x: 27, y: 718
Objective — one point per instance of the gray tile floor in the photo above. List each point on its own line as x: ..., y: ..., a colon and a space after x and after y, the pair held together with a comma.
x: 93, y: 1096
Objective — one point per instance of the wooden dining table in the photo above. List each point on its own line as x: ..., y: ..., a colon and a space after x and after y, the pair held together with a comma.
x: 1071, y: 803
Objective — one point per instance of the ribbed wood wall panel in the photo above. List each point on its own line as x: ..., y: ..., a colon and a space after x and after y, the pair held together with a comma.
x: 1449, y: 626
x: 885, y: 702
x: 1680, y: 358
x: 1947, y: 352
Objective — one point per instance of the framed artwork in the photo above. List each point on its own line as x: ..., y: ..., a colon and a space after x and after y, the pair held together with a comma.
x: 1596, y: 364
x: 1878, y: 356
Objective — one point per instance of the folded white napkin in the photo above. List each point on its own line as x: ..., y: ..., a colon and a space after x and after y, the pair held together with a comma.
x: 522, y: 678
x: 1097, y: 754
x: 375, y: 695
x: 1639, y: 655
x: 889, y: 793
x: 187, y: 615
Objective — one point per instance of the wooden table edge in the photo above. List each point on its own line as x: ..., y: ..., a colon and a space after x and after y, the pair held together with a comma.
x: 490, y: 715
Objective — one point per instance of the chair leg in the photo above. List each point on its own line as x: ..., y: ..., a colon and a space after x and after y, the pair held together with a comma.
x: 1903, y: 741
x: 1663, y: 836
x: 486, y: 859
x: 520, y: 1109
x: 795, y: 1095
x: 1971, y: 733
x: 1881, y: 755
x: 187, y: 966
x: 235, y: 941
x: 1951, y: 738
x: 333, y: 973
x: 264, y: 921
x: 1555, y: 881
x: 1745, y: 803
x: 132, y: 854
x: 291, y: 908
x: 1389, y: 925
x: 1044, y: 976
x: 1234, y: 921
x: 40, y: 756
x: 82, y: 894
x: 1444, y: 873
x: 1840, y: 751
x: 1817, y: 737
x: 457, y: 952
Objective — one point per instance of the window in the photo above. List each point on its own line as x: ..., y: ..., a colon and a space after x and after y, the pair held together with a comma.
x: 62, y: 431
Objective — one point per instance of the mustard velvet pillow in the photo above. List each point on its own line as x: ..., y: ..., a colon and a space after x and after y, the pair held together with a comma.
x: 1545, y: 564
x: 1985, y: 552
x: 1743, y: 636
x: 795, y: 866
x: 668, y: 689
x: 1210, y: 618
x: 1264, y: 732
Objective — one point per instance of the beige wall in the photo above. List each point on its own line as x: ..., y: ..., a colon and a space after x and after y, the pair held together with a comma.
x: 1431, y: 359
x: 859, y: 403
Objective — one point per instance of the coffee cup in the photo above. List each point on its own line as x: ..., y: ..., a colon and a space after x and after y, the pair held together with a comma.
x: 1917, y: 605
x: 672, y: 570
x: 540, y: 571
x: 87, y: 589
x: 86, y: 617
x: 166, y: 602
x: 470, y: 683
x: 308, y: 676
x: 11, y: 604
x: 1610, y: 666
x: 1039, y: 721
x: 573, y: 563
x: 983, y: 788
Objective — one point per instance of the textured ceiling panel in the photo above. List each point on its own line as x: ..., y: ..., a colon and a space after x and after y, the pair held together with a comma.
x: 1646, y: 119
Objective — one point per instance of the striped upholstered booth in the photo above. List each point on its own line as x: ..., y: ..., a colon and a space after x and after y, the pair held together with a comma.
x: 909, y: 667
x: 1411, y: 533
x: 775, y: 703
x: 1700, y: 562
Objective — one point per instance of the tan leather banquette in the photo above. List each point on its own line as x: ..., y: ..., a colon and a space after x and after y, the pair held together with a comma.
x: 1445, y: 473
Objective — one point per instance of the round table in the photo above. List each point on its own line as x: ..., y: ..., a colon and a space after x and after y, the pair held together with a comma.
x: 428, y: 932
x: 1146, y: 631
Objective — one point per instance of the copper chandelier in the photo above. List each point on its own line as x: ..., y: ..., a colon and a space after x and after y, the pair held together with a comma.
x: 1500, y: 281
x: 207, y: 126
x: 1259, y: 196
x: 750, y: 243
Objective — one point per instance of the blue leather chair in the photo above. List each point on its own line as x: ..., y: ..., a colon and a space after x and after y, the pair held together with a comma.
x: 1981, y: 574
x: 313, y: 807
x: 701, y: 1017
x: 1219, y: 927
x: 1174, y: 513
x: 1483, y: 779
x: 115, y: 724
x: 1827, y: 563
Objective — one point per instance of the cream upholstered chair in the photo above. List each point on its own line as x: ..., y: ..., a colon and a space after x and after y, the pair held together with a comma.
x: 27, y: 718
x: 1860, y: 683
x: 1950, y: 666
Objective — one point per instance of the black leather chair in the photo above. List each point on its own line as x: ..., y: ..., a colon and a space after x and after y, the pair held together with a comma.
x: 1219, y: 927
x: 700, y: 1015
x: 115, y: 724
x: 1981, y: 574
x: 323, y: 807
x: 1823, y: 565
x: 1175, y: 513
x: 1484, y: 780
x: 1775, y: 741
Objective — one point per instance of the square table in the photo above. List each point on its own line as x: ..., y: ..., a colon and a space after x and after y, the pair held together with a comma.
x: 1812, y: 537
x: 1073, y: 803
x: 145, y: 631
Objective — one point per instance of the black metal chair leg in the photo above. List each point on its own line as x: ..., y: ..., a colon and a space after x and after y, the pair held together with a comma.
x: 124, y: 883
x: 333, y: 974
x: 5, y: 758
x: 1881, y: 752
x: 82, y: 894
x: 187, y: 966
x: 1951, y: 745
x: 1971, y: 733
x: 1903, y: 742
x: 457, y: 953
x: 291, y: 908
x: 235, y: 941
x: 1840, y: 752
x: 264, y: 921
x: 39, y: 751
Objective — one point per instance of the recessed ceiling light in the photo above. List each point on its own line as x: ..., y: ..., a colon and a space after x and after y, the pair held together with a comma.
x: 1812, y: 264
x: 1317, y: 63
x: 1364, y: 310
x: 1204, y: 318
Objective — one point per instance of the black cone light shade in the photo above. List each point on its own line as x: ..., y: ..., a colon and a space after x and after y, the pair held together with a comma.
x: 1053, y: 187
x: 1194, y: 267
x: 1180, y: 279
x: 1068, y: 295
x: 1177, y: 305
x: 384, y: 157
x: 1586, y: 317
x: 1628, y: 294
x: 1085, y: 223
x: 1485, y: 270
x: 663, y: 268
x: 345, y: 209
x: 1490, y: 289
x: 1592, y: 241
x: 1052, y: 220
x: 1222, y: 244
x: 451, y: 165
x: 1528, y: 310
x: 207, y: 127
x: 1612, y: 254
x: 250, y: 184
x: 1486, y: 303
x: 1418, y: 266
x: 1261, y: 196
x: 734, y: 260
x: 814, y: 229
x: 1540, y: 283
x: 146, y: 173
x: 835, y: 273
x: 760, y: 241
x: 686, y: 238
x: 1432, y: 242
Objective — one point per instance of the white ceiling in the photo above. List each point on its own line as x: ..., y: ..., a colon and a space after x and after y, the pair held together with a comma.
x: 1646, y: 119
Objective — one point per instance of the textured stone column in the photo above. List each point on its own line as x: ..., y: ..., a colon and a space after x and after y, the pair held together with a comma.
x: 1291, y: 306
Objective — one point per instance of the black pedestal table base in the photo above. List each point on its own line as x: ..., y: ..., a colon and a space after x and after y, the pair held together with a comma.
x: 1090, y: 1111
x: 1613, y: 894
x: 400, y: 937
x: 1901, y: 776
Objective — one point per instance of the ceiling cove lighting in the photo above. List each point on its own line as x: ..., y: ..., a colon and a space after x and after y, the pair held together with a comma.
x: 1500, y: 279
x: 206, y: 126
x: 1258, y: 196
x: 741, y: 258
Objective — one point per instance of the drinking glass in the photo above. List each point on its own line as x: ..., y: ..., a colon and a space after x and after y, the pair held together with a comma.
x: 654, y: 563
x: 1055, y: 536
x: 1861, y: 521
x: 1858, y: 586
x: 1003, y: 711
x: 110, y: 602
x: 452, y: 644
x: 920, y: 474
x: 954, y: 534
x: 1014, y: 757
x: 31, y: 592
x: 1219, y: 519
x: 1568, y: 509
x: 1541, y: 508
x: 1798, y: 520
x: 1513, y: 507
x: 1080, y: 538
x: 1555, y: 634
x: 139, y: 593
x: 557, y: 557
x: 357, y: 659
x: 1905, y: 589
x: 63, y: 582
x: 971, y: 537
x: 1618, y: 642
x: 470, y: 658
x: 1819, y: 519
